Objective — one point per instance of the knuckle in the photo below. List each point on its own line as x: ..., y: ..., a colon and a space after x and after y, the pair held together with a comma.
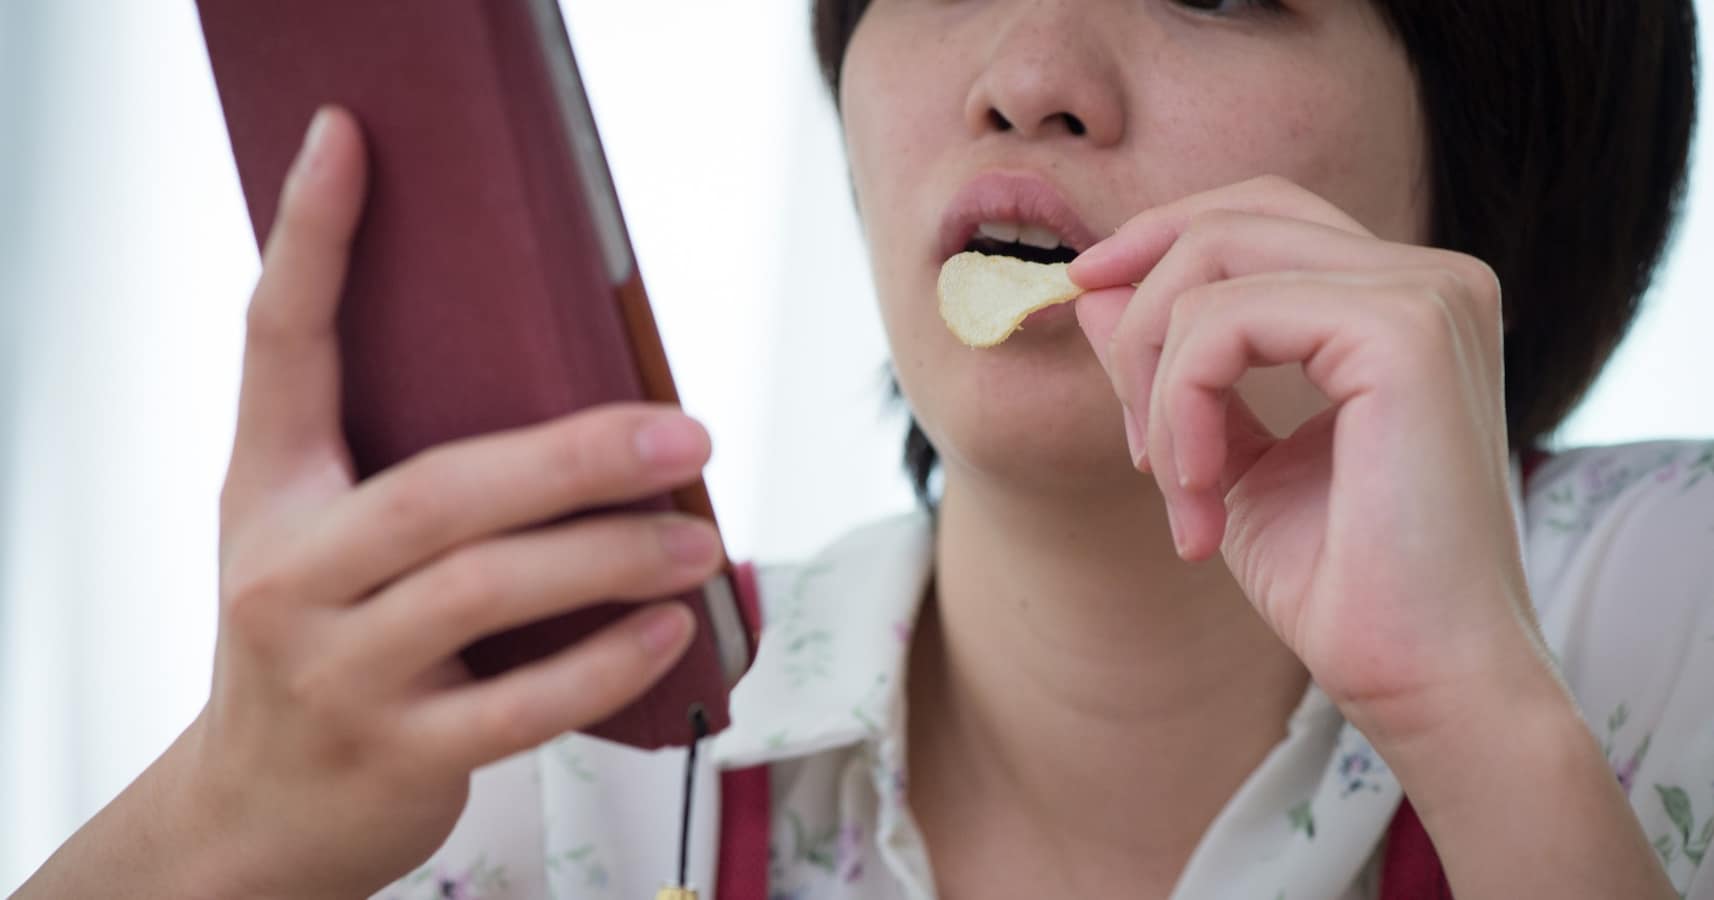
x: 1477, y: 280
x: 1207, y: 231
x: 268, y: 319
x: 1190, y: 305
x: 462, y: 591
x: 665, y: 528
x: 512, y: 720
x: 253, y: 599
x: 578, y: 453
x: 1428, y: 321
x: 610, y: 678
x: 410, y: 505
x: 1443, y: 288
x: 319, y: 692
x: 628, y: 556
x: 1276, y: 185
x: 1484, y: 279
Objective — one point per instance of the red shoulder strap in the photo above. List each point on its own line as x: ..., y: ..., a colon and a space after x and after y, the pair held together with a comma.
x: 1529, y: 461
x: 746, y: 804
x: 1411, y: 869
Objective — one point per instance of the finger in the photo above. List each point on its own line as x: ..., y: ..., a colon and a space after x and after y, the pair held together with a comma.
x: 1195, y: 503
x: 487, y: 720
x: 1133, y: 354
x: 288, y: 406
x: 1099, y: 314
x: 485, y: 588
x: 1132, y: 252
x: 1186, y: 517
x: 1224, y: 244
x: 1358, y: 337
x: 1221, y: 245
x: 485, y: 485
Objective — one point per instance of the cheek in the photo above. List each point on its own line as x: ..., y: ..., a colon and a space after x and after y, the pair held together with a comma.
x: 1350, y: 134
x: 886, y: 113
x: 900, y: 120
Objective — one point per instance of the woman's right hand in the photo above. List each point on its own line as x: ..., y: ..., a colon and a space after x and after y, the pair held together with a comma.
x: 335, y: 751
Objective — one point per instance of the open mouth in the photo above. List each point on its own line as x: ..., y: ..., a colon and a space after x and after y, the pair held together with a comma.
x: 1035, y: 243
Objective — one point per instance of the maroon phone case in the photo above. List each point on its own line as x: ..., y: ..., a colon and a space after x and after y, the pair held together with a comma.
x: 480, y: 294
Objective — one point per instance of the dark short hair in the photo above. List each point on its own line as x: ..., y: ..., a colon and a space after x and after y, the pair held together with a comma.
x: 1558, y: 138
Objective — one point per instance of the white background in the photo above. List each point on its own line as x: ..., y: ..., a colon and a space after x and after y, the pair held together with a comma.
x: 126, y: 260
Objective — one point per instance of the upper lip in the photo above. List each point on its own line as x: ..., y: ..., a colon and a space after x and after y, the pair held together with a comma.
x: 1010, y: 196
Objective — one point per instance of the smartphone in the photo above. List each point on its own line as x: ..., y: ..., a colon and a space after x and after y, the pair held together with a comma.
x: 492, y: 282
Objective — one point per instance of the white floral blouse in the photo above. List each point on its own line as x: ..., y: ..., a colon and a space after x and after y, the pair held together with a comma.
x: 1619, y: 544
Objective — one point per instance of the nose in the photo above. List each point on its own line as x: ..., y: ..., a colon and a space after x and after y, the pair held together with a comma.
x: 1046, y: 74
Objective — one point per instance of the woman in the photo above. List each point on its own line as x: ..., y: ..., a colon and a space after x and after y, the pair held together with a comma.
x: 1153, y: 649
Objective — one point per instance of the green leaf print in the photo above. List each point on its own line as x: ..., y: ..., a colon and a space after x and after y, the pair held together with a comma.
x: 1677, y: 804
x: 1302, y: 819
x: 585, y: 861
x: 812, y: 849
x: 1616, y: 721
x: 1664, y: 846
x: 1698, y: 848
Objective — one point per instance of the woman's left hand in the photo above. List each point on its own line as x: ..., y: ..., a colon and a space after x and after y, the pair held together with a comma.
x: 1377, y: 539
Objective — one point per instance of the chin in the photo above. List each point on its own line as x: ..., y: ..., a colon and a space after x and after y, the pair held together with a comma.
x: 1025, y: 416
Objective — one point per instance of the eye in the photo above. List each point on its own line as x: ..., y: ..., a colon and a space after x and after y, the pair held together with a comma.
x: 1231, y: 7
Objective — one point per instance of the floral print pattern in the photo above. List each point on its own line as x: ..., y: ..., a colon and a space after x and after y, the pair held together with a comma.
x: 1684, y: 840
x: 1578, y: 502
x: 1617, y: 544
x: 480, y: 880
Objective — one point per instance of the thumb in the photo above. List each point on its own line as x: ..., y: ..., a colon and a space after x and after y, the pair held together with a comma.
x: 1098, y: 313
x: 289, y: 404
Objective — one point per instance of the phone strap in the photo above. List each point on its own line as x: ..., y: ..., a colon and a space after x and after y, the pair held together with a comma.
x: 746, y: 802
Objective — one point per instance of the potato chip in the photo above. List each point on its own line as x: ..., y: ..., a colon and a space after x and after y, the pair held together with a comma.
x: 984, y: 299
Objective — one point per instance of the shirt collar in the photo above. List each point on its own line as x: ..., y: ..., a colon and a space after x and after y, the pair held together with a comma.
x: 830, y: 664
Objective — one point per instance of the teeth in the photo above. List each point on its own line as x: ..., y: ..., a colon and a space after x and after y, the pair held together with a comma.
x: 1018, y: 233
x: 1037, y: 236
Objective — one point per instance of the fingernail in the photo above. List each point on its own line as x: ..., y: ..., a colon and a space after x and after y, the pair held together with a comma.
x: 310, y: 155
x: 669, y: 441
x: 662, y: 628
x: 1172, y: 525
x: 1135, y: 440
x: 1178, y: 463
x: 688, y: 542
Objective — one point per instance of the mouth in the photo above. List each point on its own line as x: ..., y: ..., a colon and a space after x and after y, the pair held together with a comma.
x: 1026, y: 241
x: 1015, y: 214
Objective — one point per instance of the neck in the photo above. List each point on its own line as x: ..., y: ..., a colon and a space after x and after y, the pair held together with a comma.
x: 1075, y: 679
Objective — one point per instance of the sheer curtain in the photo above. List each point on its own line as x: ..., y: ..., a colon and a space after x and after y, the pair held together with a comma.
x: 126, y: 261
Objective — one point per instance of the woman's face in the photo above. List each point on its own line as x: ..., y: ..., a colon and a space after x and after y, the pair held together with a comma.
x: 1068, y: 117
